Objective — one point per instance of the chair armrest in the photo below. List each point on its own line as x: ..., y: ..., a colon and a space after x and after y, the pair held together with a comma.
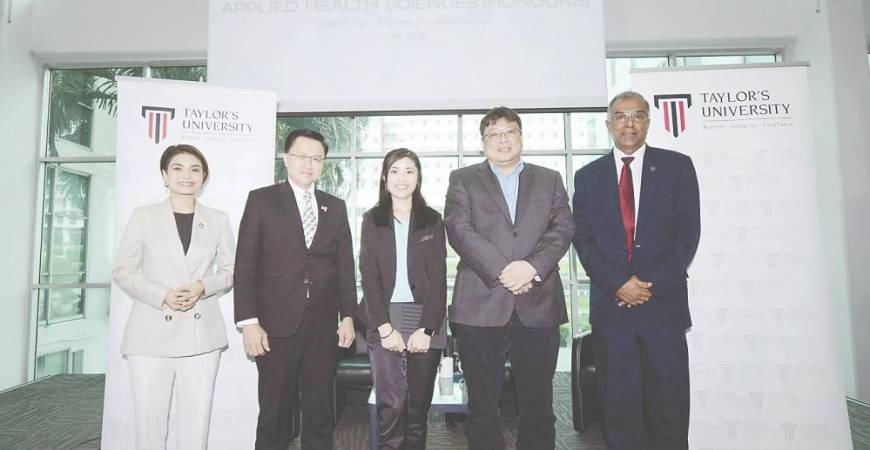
x: 581, y: 361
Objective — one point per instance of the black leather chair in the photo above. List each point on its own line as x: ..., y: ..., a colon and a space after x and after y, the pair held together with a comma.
x: 584, y: 394
x: 509, y: 389
x: 352, y: 371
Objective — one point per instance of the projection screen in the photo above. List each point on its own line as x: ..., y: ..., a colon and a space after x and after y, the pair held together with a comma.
x: 408, y: 55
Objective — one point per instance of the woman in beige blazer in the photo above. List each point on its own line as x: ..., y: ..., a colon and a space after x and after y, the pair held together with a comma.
x: 175, y: 260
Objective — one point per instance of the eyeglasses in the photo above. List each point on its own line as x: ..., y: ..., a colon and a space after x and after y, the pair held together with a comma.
x: 311, y: 159
x: 512, y: 133
x: 634, y: 116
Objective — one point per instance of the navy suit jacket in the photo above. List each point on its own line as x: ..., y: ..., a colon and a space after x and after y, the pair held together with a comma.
x: 666, y: 237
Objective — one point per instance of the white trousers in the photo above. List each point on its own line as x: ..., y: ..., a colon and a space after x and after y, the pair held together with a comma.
x: 153, y: 378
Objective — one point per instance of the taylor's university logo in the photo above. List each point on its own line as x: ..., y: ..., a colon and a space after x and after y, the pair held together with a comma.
x: 158, y: 118
x: 673, y: 108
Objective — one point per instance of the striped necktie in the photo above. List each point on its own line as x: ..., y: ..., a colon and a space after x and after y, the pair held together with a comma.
x: 309, y: 223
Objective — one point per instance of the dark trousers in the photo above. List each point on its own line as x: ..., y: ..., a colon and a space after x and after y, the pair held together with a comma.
x: 404, y: 383
x: 307, y: 361
x: 533, y: 353
x: 643, y: 386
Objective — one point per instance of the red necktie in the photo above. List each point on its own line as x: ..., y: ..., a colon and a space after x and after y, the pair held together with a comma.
x: 626, y: 203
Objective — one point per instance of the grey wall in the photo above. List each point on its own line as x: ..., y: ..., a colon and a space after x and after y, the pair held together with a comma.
x: 20, y: 88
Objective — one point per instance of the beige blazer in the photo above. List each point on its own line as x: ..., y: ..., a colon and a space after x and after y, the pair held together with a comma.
x: 151, y: 261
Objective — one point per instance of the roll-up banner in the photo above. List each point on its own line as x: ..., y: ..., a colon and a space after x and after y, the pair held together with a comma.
x: 765, y: 369
x: 235, y: 130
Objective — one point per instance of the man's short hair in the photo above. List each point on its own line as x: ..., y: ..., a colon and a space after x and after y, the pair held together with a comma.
x: 499, y: 112
x: 308, y: 133
x: 624, y: 96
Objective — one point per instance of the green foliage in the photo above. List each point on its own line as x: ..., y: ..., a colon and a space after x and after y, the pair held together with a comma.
x: 339, y: 132
x: 74, y: 94
x: 186, y: 73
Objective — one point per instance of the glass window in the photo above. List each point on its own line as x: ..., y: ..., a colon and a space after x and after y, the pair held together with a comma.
x: 77, y: 223
x: 418, y: 133
x: 724, y: 59
x: 619, y: 71
x: 566, y: 335
x: 57, y: 305
x: 471, y: 138
x: 335, y: 178
x: 75, y: 254
x: 81, y: 115
x: 541, y: 131
x: 64, y: 242
x: 52, y: 364
x: 580, y: 313
x: 589, y: 132
x: 436, y: 175
x: 338, y: 131
x: 88, y: 334
x: 76, y: 133
x: 185, y: 73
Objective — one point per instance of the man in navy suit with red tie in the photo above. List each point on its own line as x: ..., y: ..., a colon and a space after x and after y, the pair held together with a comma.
x: 637, y: 222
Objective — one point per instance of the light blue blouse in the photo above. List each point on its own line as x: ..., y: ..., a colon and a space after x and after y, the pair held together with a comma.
x: 402, y: 291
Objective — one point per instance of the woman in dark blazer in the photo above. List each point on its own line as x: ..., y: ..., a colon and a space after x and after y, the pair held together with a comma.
x: 403, y: 261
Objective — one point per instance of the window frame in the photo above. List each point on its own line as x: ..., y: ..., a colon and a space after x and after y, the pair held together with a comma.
x: 44, y: 300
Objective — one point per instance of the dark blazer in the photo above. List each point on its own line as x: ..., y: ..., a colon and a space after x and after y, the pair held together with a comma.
x: 479, y: 228
x: 274, y: 269
x: 666, y: 237
x: 427, y: 271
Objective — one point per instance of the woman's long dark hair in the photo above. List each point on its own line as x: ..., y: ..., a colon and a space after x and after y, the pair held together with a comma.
x: 382, y: 213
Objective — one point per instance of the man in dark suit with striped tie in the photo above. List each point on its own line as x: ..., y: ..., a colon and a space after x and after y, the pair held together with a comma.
x: 637, y: 222
x: 294, y: 279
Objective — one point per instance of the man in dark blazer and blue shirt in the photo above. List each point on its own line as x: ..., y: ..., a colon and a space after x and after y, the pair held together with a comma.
x: 294, y: 277
x: 510, y: 223
x: 636, y: 258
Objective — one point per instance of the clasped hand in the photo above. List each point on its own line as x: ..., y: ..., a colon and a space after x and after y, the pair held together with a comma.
x: 185, y: 297
x: 517, y: 277
x: 391, y: 340
x: 634, y: 292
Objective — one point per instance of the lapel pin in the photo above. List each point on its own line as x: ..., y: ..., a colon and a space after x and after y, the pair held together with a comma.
x: 652, y: 168
x: 324, y: 208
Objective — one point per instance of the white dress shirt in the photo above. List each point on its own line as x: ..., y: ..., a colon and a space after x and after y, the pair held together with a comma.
x: 299, y: 194
x: 636, y: 174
